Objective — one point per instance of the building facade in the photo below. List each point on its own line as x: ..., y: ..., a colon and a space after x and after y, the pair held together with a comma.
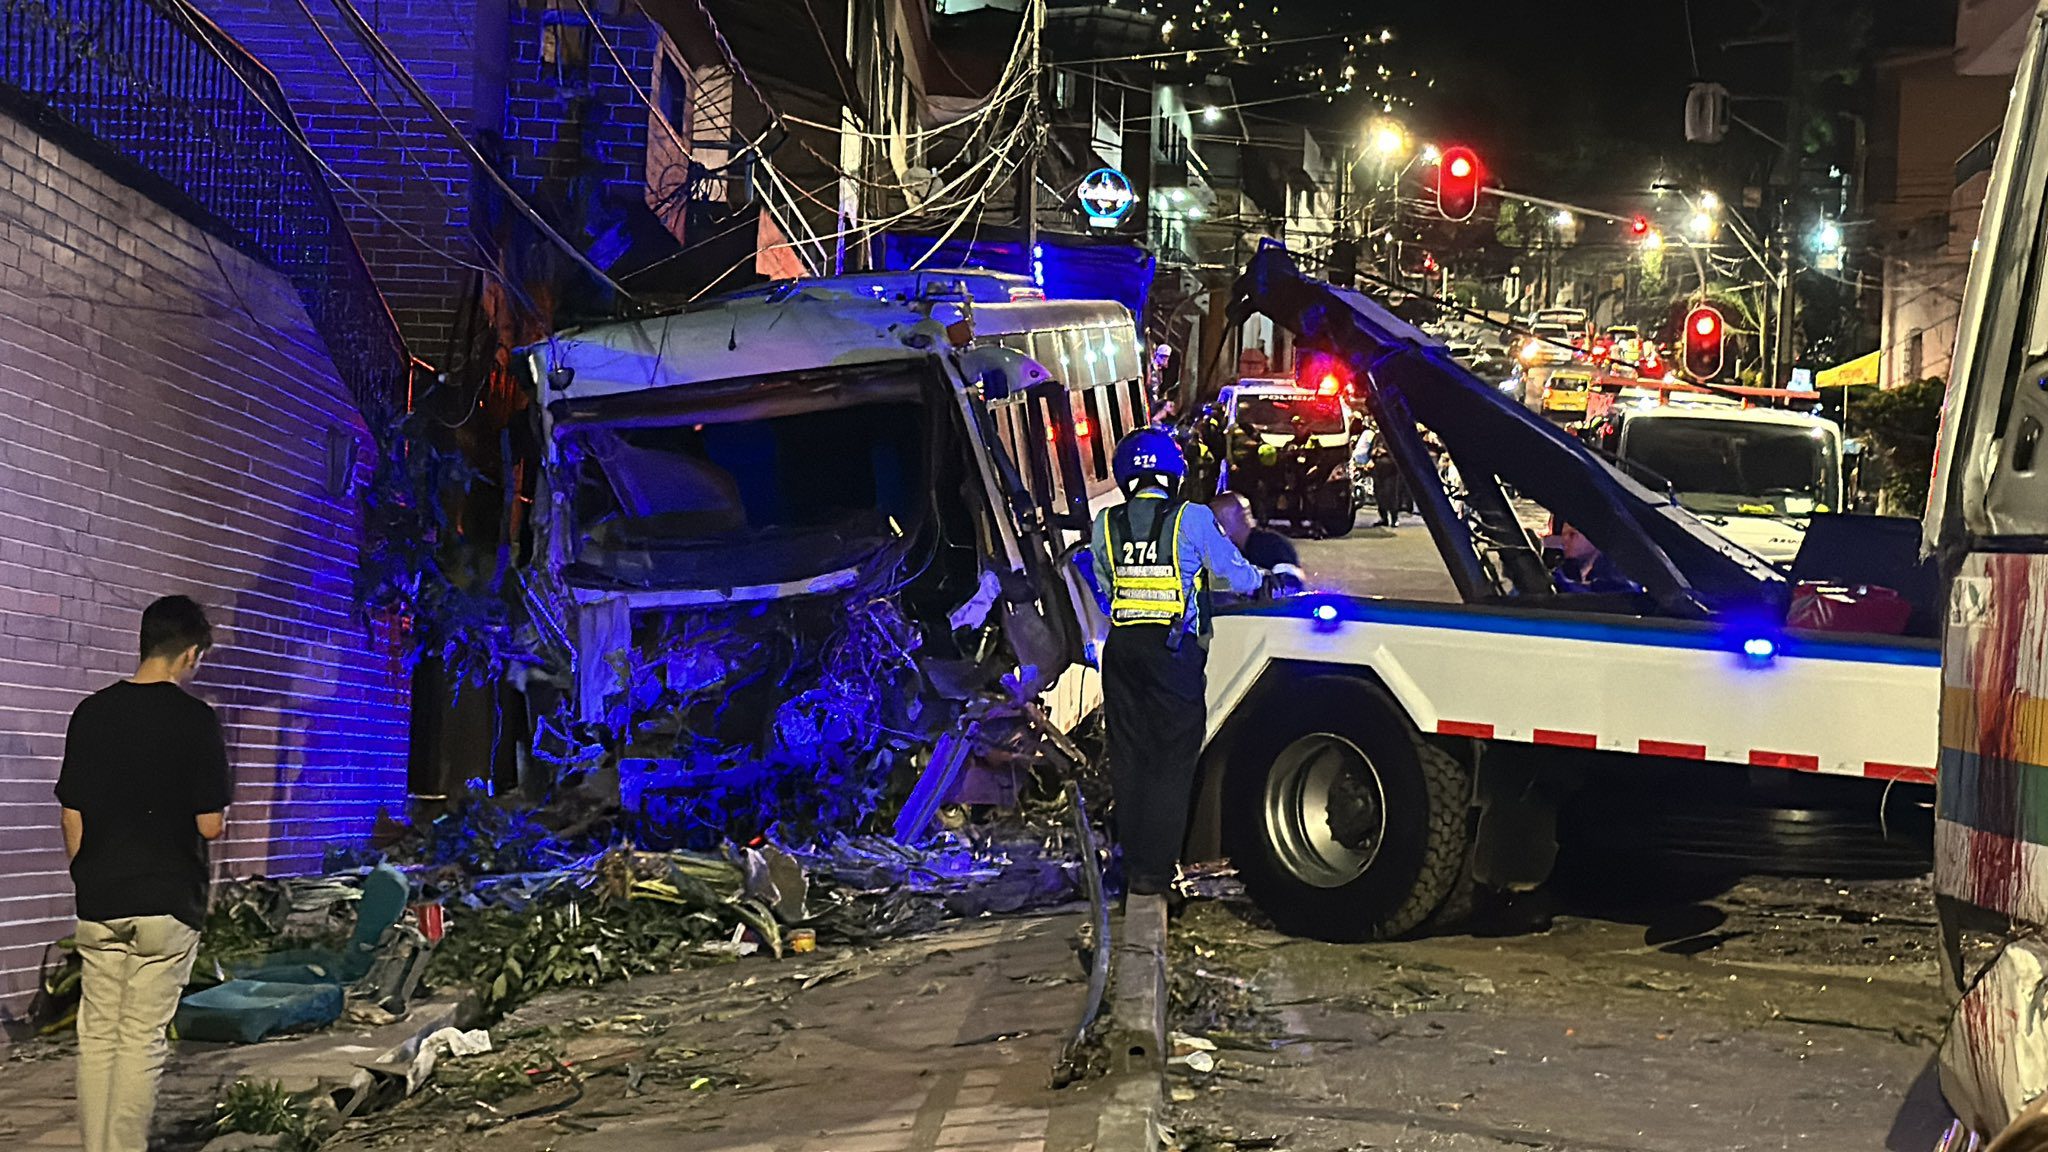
x: 186, y: 362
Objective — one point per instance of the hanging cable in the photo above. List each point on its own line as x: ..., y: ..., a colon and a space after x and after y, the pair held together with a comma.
x: 519, y: 294
x: 380, y: 51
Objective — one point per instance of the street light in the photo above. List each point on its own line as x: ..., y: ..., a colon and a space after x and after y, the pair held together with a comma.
x: 1709, y: 202
x: 1211, y: 114
x: 1653, y: 240
x: 1563, y: 219
x: 1389, y: 141
x: 1430, y: 155
x: 1827, y: 237
x: 1702, y: 224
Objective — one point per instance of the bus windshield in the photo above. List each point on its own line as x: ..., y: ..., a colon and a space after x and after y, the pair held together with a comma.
x: 1739, y: 466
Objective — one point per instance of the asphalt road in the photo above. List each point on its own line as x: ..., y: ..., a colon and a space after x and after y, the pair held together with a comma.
x: 1400, y: 563
x: 1770, y: 1013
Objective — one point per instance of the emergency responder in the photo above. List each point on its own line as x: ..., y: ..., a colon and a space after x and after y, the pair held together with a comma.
x: 1155, y: 558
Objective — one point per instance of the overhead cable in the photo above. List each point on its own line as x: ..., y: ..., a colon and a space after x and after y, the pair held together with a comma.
x: 382, y: 52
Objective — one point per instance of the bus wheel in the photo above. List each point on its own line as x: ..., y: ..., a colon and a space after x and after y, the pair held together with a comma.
x: 1344, y: 824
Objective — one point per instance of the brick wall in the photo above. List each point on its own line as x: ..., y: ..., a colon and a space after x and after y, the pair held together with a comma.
x: 590, y: 122
x: 406, y: 185
x: 165, y: 418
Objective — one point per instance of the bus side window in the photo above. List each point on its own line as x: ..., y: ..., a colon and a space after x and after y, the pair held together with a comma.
x: 1141, y: 414
x: 1119, y: 421
x: 1098, y: 431
x: 1008, y: 427
x: 1037, y: 445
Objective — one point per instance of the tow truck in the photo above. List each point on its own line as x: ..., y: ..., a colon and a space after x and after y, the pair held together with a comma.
x: 1371, y: 763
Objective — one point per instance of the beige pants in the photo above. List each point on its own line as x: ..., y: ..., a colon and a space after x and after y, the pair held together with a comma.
x: 135, y: 971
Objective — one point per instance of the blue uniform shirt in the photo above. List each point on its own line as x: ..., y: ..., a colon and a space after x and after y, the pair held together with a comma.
x: 1202, y: 545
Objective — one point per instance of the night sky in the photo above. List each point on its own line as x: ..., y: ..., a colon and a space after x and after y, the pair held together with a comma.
x: 1575, y: 99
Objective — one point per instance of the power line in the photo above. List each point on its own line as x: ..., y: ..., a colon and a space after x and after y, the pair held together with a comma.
x: 382, y: 52
x: 1186, y: 52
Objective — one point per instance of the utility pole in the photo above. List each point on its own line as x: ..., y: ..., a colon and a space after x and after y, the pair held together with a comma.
x: 1779, y: 357
x: 1035, y: 13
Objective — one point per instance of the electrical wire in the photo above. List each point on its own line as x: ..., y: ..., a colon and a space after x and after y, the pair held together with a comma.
x: 847, y: 85
x: 871, y: 227
x: 1185, y: 52
x: 297, y: 135
x: 379, y: 50
x: 991, y: 159
x: 518, y: 293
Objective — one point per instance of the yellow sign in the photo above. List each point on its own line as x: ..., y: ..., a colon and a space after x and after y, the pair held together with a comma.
x: 1861, y: 370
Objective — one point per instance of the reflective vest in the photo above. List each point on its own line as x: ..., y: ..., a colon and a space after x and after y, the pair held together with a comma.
x: 1144, y: 575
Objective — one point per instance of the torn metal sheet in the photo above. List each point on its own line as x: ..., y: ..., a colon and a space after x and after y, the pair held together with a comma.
x: 1994, y: 1055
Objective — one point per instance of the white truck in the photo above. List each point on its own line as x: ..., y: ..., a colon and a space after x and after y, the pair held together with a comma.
x: 1370, y: 762
x: 1756, y: 475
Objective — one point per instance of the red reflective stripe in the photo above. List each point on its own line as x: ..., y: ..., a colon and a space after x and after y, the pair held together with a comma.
x: 1464, y: 728
x: 1792, y: 760
x: 1878, y: 770
x: 1564, y: 739
x: 1672, y: 748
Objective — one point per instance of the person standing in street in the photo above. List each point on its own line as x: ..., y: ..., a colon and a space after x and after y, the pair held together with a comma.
x: 144, y: 789
x: 1154, y: 559
x: 1387, y: 489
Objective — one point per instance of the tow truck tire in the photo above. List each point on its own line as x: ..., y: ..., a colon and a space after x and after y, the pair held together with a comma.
x: 1344, y: 824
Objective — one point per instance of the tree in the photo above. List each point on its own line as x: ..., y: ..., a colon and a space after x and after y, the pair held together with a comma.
x: 1901, y: 425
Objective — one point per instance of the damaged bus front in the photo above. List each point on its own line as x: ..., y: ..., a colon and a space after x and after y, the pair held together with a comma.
x: 788, y: 538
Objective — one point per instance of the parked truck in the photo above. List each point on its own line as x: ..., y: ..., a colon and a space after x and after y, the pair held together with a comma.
x: 1756, y: 475
x: 1371, y: 762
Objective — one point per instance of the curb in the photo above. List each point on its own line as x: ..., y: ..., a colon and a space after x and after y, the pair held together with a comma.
x: 1133, y: 1120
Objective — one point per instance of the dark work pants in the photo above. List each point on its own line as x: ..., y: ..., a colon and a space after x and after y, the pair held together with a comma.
x: 1152, y: 703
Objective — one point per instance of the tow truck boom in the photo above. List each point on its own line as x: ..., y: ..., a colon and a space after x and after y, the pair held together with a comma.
x: 1686, y: 569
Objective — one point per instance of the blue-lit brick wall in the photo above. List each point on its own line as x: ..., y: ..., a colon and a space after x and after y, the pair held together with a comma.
x: 405, y: 183
x: 588, y: 121
x: 165, y: 417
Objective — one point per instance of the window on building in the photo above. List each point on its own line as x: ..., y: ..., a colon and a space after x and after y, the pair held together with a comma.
x: 1916, y: 350
x: 565, y: 48
x: 673, y: 97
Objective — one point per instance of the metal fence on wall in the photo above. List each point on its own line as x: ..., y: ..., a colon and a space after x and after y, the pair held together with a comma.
x: 157, y: 89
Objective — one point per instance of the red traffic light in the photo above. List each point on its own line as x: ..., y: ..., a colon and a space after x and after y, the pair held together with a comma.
x: 1457, y: 183
x: 1705, y: 335
x: 1639, y: 225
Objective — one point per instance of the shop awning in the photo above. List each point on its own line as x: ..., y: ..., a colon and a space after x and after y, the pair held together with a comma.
x: 1861, y: 370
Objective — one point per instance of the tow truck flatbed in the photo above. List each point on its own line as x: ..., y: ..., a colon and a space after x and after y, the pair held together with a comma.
x: 1371, y: 762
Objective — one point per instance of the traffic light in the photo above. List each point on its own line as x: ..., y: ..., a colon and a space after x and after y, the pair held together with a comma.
x: 1639, y: 226
x: 1457, y: 183
x: 1704, y: 336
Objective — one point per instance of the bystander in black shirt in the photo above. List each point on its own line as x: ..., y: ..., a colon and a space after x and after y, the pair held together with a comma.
x: 140, y: 762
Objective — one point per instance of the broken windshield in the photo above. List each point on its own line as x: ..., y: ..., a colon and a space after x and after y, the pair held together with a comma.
x: 1739, y: 466
x: 748, y: 502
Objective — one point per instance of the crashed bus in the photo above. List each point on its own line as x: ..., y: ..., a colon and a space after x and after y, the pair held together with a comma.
x: 795, y: 533
x: 1987, y: 526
